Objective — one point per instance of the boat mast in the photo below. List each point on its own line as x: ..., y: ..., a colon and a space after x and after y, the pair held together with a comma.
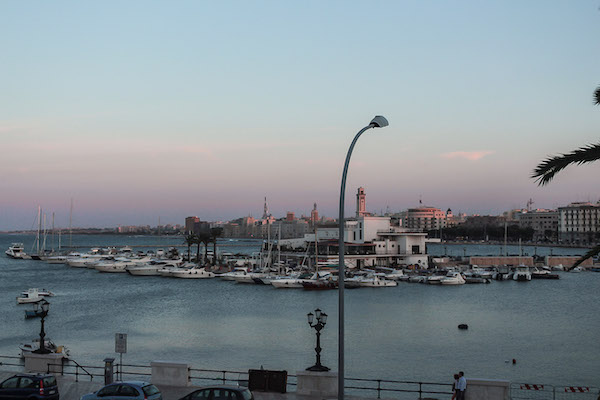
x: 37, y: 237
x: 45, y: 235
x: 71, y: 225
x: 279, y: 251
x: 53, y: 232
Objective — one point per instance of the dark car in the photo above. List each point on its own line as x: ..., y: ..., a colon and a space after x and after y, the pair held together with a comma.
x: 220, y: 393
x: 30, y: 387
x: 130, y: 390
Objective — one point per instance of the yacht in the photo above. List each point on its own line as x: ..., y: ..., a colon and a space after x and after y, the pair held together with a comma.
x: 522, y: 274
x: 396, y: 275
x: 230, y: 276
x: 291, y: 282
x: 151, y: 268
x: 375, y: 281
x: 16, y: 250
x: 119, y: 264
x: 31, y: 296
x: 453, y: 278
x: 192, y: 273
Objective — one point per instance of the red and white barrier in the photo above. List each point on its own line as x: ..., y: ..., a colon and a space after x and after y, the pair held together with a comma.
x: 527, y: 386
x: 577, y: 389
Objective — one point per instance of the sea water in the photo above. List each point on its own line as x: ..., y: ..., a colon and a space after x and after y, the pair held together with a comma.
x: 408, y: 332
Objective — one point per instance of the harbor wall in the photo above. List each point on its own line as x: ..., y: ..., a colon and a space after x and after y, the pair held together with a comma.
x: 566, y: 261
x: 501, y: 260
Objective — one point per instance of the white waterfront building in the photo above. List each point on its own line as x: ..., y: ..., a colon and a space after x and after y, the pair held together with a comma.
x: 370, y: 241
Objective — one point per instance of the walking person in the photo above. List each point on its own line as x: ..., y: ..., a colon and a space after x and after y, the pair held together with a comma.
x: 461, y: 386
x: 454, y: 386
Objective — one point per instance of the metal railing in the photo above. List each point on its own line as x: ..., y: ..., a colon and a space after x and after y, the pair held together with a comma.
x: 13, y: 361
x: 73, y: 368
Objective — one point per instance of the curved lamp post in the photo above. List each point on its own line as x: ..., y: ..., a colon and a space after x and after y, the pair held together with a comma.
x: 41, y: 309
x: 318, y: 325
x: 377, y: 122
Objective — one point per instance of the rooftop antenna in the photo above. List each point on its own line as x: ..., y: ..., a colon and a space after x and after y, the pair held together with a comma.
x: 529, y: 204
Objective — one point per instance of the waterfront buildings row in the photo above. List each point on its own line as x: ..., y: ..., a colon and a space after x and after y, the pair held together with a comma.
x: 576, y: 223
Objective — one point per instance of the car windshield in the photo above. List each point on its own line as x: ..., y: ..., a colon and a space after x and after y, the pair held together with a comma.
x: 150, y: 390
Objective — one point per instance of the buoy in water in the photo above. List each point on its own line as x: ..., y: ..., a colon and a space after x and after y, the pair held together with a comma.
x: 463, y: 326
x: 514, y: 361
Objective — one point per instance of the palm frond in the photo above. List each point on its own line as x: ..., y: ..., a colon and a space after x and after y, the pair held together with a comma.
x: 597, y: 96
x: 593, y: 252
x: 546, y: 170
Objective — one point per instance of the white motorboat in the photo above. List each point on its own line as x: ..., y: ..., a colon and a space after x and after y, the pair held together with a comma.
x: 453, y: 278
x: 150, y: 268
x: 249, y: 277
x: 193, y: 273
x: 41, y: 292
x: 576, y: 269
x: 375, y: 281
x: 396, y: 275
x: 31, y: 296
x: 119, y: 264
x: 27, y: 348
x: 168, y: 270
x: 290, y: 282
x: 56, y: 259
x: 16, y: 250
x: 230, y: 276
x: 435, y: 279
x: 522, y: 274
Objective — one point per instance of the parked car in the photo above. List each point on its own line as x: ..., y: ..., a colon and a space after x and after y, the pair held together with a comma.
x: 30, y: 387
x: 220, y: 392
x: 131, y: 390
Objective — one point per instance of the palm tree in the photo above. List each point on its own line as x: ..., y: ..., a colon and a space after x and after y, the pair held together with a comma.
x: 189, y: 239
x: 204, y: 238
x: 214, y: 234
x: 548, y: 168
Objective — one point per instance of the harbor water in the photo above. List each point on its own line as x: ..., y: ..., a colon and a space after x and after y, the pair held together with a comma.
x: 408, y: 332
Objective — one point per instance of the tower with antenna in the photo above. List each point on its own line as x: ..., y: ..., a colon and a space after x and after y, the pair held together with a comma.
x: 266, y: 210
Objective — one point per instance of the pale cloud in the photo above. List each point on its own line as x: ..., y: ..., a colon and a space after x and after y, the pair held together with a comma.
x: 468, y: 155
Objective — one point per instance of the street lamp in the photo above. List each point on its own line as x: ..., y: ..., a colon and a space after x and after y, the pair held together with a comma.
x: 320, y: 324
x: 41, y: 309
x: 377, y: 122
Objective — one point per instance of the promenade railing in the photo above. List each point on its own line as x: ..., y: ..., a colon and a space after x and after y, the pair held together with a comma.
x: 202, y: 376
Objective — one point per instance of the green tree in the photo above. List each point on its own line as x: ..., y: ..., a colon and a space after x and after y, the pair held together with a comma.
x: 548, y: 168
x: 205, y: 239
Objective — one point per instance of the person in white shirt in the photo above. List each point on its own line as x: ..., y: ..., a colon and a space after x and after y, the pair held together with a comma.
x: 461, y: 386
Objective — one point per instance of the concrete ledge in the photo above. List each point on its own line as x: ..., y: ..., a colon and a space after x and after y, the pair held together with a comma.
x: 319, y: 384
x: 487, y: 389
x: 41, y: 362
x: 171, y: 373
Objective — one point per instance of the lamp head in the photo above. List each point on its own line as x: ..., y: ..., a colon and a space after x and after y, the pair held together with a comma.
x: 44, y: 304
x: 323, y: 318
x: 318, y: 313
x: 310, y: 317
x: 379, y: 122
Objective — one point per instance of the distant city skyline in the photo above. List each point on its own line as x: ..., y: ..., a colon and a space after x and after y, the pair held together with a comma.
x: 144, y: 109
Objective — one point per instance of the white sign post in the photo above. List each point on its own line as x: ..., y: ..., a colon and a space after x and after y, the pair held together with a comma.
x: 121, y: 347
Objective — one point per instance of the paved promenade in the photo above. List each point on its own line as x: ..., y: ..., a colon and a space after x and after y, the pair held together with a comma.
x: 71, y: 390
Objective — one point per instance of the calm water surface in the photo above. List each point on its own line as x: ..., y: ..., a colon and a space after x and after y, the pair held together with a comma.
x: 408, y: 332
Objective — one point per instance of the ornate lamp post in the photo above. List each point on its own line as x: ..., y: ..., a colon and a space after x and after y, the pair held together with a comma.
x: 41, y: 309
x: 318, y: 325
